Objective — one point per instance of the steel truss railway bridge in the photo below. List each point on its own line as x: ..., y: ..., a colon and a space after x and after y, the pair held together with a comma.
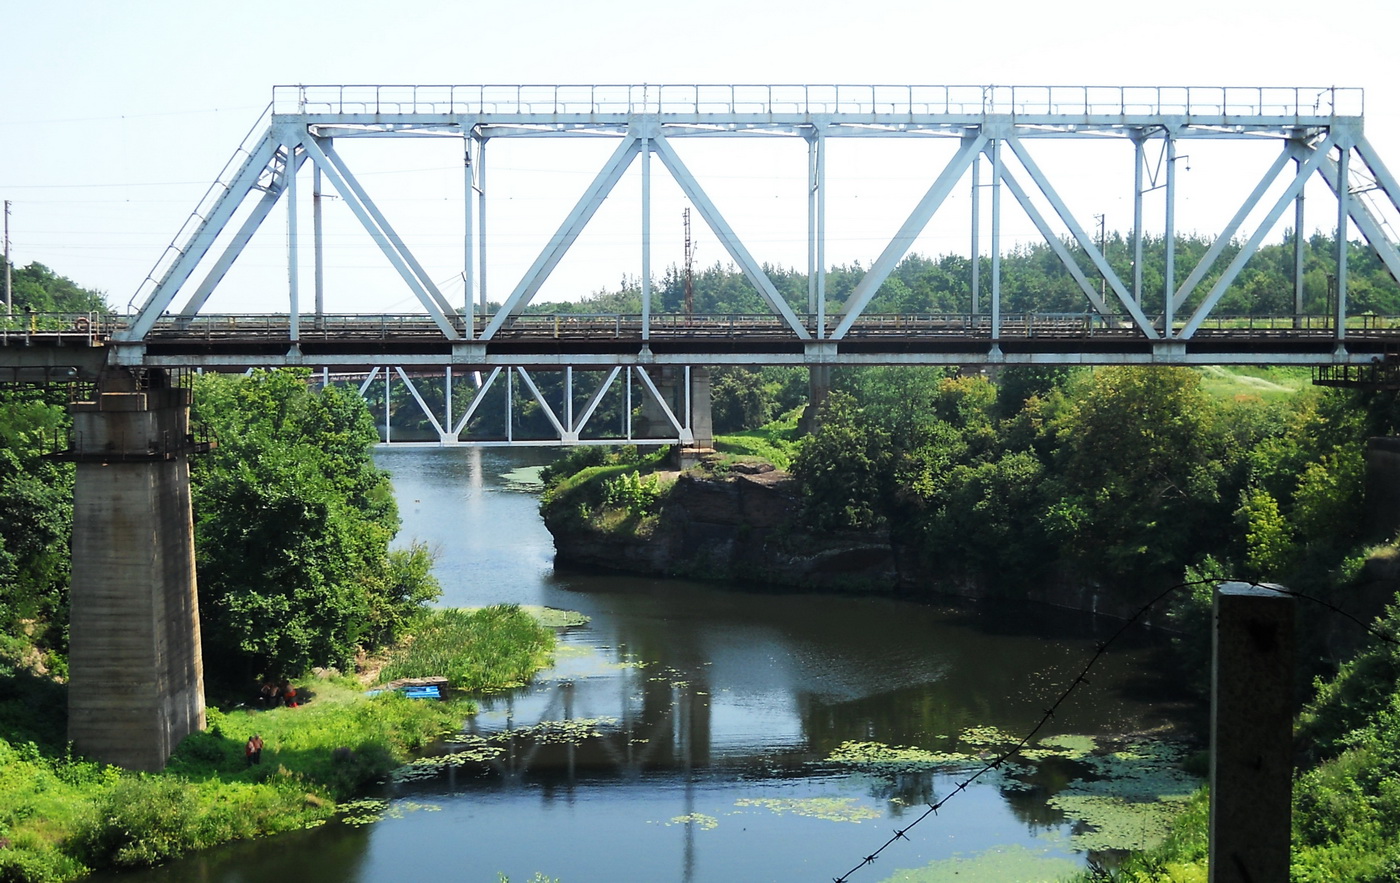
x: 135, y: 660
x: 987, y: 135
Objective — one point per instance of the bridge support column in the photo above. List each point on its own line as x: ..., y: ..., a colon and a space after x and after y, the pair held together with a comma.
x: 702, y: 422
x: 136, y: 685
x: 818, y: 388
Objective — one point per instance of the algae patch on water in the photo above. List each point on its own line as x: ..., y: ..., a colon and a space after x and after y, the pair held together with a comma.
x: 1119, y: 797
x: 1132, y: 798
x: 1005, y: 864
x: 526, y: 479
x: 831, y: 809
x: 696, y: 820
x: 371, y: 810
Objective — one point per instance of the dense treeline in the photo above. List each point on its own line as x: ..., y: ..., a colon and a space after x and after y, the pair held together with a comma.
x: 1033, y: 278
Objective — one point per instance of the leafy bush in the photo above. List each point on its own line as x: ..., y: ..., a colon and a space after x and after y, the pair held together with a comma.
x: 632, y: 492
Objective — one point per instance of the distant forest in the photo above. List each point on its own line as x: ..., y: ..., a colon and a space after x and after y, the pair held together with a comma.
x: 1033, y: 279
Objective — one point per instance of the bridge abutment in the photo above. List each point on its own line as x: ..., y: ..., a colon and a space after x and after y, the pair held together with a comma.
x: 136, y: 685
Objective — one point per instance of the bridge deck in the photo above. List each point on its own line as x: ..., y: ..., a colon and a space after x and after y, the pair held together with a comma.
x: 228, y: 342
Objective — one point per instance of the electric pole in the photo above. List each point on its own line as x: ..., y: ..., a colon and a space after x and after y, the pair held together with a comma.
x: 689, y: 277
x: 9, y: 303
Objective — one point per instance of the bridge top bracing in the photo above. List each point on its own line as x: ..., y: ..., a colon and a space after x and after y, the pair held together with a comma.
x: 845, y: 109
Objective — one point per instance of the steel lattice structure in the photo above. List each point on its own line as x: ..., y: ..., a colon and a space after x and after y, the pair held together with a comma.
x: 1318, y: 131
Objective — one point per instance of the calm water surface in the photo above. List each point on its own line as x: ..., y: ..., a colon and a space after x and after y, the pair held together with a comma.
x: 708, y: 712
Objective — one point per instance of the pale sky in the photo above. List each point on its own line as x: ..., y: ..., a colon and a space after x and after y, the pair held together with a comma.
x: 120, y: 114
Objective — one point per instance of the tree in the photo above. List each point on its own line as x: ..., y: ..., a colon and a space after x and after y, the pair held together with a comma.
x: 293, y: 524
x: 1140, y: 458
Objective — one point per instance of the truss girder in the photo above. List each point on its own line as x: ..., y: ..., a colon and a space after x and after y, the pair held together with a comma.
x: 567, y: 431
x: 1309, y: 123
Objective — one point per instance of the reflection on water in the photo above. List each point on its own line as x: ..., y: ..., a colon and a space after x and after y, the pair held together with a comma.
x: 684, y: 732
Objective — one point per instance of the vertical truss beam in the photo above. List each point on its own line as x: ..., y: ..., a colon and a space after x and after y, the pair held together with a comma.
x: 816, y: 227
x: 998, y: 170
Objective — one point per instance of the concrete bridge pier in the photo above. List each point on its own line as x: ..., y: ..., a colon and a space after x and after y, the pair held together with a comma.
x: 670, y: 382
x: 136, y: 684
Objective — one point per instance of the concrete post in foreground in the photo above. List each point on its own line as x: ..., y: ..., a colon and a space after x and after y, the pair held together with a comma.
x: 136, y: 683
x: 1251, y: 794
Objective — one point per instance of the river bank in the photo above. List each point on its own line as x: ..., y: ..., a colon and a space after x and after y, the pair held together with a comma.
x: 741, y: 522
x: 62, y: 817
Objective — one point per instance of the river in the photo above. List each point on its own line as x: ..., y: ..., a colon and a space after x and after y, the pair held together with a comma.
x: 687, y: 732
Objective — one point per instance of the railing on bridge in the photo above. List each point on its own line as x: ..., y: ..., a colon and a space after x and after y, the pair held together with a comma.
x: 700, y: 100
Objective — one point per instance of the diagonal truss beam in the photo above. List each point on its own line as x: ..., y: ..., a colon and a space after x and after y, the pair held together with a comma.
x: 1077, y: 231
x: 340, y: 179
x: 904, y: 239
x: 595, y: 400
x: 1369, y: 225
x: 1228, y: 234
x: 476, y: 402
x: 383, y: 223
x: 1227, y: 277
x: 721, y: 228
x: 539, y: 399
x: 583, y: 211
x: 259, y: 160
x: 270, y: 197
x: 422, y: 405
x: 682, y: 432
x: 1056, y: 244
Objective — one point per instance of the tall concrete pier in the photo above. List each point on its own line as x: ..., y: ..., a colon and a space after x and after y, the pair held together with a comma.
x: 136, y: 685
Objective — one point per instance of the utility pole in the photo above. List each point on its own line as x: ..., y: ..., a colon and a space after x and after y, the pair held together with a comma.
x: 1103, y: 250
x: 9, y: 303
x: 689, y: 275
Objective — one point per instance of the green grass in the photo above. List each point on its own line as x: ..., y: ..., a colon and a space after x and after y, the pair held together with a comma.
x: 775, y: 442
x: 1266, y: 383
x: 61, y: 816
x: 488, y: 649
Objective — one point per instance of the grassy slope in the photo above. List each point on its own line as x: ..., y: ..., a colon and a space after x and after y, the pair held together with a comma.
x: 61, y: 816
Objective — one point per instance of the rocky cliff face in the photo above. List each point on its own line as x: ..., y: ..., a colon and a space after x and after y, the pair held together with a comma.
x: 736, y: 526
x: 744, y: 526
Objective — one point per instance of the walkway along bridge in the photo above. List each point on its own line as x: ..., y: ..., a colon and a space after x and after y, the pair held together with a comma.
x: 136, y: 687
